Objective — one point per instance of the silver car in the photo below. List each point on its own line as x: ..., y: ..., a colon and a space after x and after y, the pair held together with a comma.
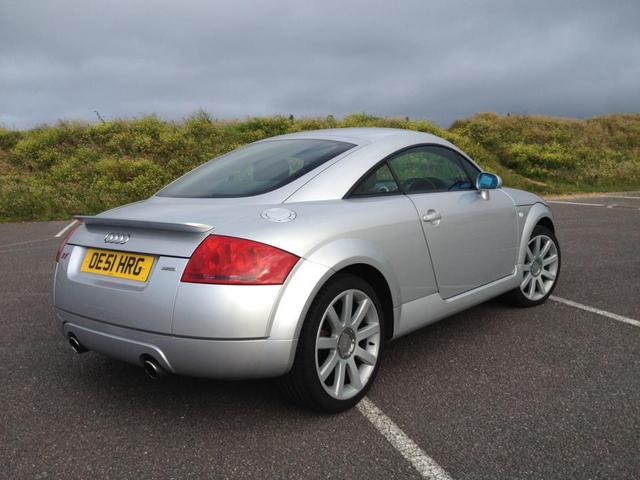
x: 298, y: 257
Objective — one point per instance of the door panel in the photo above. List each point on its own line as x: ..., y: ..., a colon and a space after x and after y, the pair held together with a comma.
x: 471, y: 237
x: 472, y: 240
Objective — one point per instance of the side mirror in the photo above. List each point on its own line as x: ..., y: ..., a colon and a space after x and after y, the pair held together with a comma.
x: 488, y: 181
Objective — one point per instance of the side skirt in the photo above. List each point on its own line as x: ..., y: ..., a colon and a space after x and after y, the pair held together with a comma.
x: 427, y: 310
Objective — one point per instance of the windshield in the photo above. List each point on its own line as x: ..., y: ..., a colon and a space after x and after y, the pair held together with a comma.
x: 255, y: 169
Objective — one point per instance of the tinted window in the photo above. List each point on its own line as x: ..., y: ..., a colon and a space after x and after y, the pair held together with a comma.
x: 255, y: 169
x: 378, y: 182
x: 431, y: 169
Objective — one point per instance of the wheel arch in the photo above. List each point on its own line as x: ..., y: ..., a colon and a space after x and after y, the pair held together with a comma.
x: 539, y: 214
x: 370, y: 273
x: 378, y: 282
x: 356, y: 257
x: 548, y: 223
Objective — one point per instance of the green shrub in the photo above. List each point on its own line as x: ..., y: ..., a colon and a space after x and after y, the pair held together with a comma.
x: 565, y: 155
x: 52, y: 172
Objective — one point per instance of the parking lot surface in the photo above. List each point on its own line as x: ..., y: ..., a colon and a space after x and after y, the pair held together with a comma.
x: 493, y: 392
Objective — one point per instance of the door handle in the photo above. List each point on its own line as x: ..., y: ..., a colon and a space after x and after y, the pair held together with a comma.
x: 432, y: 216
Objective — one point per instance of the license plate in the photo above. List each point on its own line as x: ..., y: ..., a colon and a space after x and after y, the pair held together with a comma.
x: 131, y: 266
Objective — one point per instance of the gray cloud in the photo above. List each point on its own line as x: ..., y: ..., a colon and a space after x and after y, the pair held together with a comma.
x: 435, y: 59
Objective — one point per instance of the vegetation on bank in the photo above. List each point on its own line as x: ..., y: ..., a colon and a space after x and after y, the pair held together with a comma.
x: 53, y: 172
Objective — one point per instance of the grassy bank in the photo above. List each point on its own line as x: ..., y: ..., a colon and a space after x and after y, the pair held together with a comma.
x: 53, y: 172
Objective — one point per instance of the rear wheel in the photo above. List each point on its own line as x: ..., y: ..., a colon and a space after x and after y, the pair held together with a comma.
x: 339, y: 347
x: 540, y: 271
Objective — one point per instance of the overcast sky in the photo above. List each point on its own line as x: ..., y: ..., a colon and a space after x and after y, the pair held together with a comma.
x: 435, y: 59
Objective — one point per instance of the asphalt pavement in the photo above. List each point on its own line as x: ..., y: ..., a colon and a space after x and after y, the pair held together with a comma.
x: 551, y: 392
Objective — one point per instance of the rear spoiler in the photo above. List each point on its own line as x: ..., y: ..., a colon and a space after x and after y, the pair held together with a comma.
x: 131, y: 223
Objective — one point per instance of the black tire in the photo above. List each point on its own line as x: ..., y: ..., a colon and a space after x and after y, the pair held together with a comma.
x: 302, y: 385
x: 516, y: 297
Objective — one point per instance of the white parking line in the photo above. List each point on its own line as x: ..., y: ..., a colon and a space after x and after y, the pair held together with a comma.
x: 577, y: 203
x: 28, y: 242
x: 604, y: 313
x: 422, y: 462
x: 61, y: 232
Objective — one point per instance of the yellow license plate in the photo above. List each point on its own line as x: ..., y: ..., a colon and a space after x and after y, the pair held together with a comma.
x: 131, y: 266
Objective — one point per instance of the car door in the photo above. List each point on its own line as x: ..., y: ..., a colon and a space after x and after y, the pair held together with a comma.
x: 472, y: 238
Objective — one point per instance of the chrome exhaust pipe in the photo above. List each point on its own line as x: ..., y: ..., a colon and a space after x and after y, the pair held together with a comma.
x: 75, y: 345
x: 152, y: 368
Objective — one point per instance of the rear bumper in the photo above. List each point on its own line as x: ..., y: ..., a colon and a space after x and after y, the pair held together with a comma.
x: 199, y: 357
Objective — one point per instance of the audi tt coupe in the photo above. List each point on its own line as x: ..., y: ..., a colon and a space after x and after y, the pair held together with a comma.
x: 298, y: 257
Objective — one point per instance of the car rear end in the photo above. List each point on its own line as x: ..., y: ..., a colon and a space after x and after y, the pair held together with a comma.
x: 149, y: 293
x: 179, y: 283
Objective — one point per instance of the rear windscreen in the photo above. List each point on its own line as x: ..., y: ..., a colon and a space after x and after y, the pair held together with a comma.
x: 255, y: 169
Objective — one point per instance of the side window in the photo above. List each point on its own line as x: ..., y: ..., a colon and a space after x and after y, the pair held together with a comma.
x: 432, y: 169
x: 378, y: 182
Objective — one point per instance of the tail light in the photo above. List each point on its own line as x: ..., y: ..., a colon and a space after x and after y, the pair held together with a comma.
x: 237, y: 261
x: 66, y: 239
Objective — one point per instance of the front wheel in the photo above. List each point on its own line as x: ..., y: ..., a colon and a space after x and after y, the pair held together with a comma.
x: 339, y: 347
x: 540, y: 271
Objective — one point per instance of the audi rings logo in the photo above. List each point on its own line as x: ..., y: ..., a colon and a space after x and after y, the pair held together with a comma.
x: 119, y: 238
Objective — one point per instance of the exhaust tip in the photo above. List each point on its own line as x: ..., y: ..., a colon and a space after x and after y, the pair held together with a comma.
x: 152, y: 368
x: 75, y: 345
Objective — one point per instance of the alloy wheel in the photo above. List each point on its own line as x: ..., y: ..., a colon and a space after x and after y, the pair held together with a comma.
x: 540, y: 268
x: 347, y: 344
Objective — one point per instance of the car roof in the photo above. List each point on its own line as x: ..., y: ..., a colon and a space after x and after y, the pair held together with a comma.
x: 361, y: 135
x: 335, y: 178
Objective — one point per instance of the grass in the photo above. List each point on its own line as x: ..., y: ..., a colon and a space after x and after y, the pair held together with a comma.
x: 55, y: 171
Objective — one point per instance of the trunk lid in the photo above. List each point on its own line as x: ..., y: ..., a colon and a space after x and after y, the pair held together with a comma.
x: 168, y: 229
x: 162, y: 225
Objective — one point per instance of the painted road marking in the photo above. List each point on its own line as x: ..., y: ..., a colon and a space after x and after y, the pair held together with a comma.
x: 616, y: 196
x: 28, y: 242
x: 577, y: 203
x: 61, y: 232
x: 422, y: 462
x: 604, y: 313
